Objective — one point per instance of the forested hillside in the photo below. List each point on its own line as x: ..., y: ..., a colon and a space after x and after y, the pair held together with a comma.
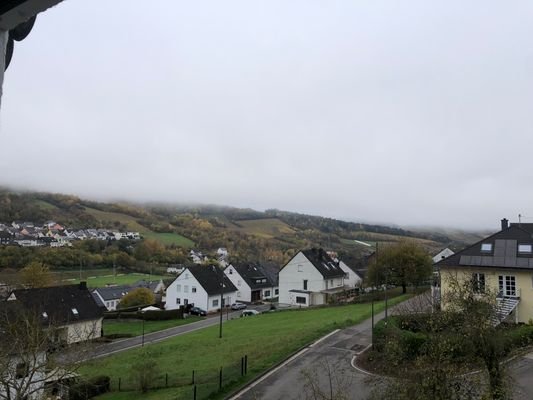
x: 247, y: 234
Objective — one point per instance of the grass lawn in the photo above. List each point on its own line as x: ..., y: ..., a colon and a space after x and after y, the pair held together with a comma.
x: 134, y: 327
x: 120, y: 279
x: 266, y: 339
x: 266, y: 228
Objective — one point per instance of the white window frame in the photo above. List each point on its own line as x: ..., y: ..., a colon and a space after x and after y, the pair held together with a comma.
x: 486, y: 247
x: 507, y: 285
x: 525, y: 248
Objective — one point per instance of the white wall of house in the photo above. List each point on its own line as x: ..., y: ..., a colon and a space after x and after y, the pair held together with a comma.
x: 186, y: 290
x: 292, y: 276
x: 31, y: 385
x: 83, y: 330
x: 244, y: 292
x: 352, y: 279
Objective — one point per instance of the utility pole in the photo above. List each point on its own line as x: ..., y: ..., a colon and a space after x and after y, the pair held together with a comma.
x: 221, y: 302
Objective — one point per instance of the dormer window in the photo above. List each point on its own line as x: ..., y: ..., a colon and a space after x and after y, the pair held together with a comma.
x: 525, y: 248
x: 486, y: 247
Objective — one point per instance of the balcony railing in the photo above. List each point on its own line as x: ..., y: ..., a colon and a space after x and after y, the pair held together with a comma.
x: 509, y: 294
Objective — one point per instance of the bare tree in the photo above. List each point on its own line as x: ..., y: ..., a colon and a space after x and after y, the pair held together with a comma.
x: 327, y: 382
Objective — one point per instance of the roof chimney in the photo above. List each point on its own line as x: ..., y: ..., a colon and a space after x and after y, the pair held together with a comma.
x: 83, y: 285
x: 505, y: 223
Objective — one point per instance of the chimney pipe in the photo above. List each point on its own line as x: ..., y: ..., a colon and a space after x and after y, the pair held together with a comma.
x: 505, y: 223
x: 83, y: 285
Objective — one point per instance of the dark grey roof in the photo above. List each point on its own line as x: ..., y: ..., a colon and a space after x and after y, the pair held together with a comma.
x: 323, y: 263
x: 209, y: 277
x: 62, y: 304
x: 152, y: 285
x: 504, y: 252
x: 113, y: 292
x: 256, y: 275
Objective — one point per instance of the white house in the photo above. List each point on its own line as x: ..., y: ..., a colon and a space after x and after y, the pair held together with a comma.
x: 254, y: 282
x: 110, y: 296
x: 352, y: 278
x: 311, y: 277
x: 200, y: 286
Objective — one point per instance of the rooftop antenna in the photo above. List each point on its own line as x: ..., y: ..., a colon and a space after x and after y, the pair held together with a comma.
x: 519, y: 219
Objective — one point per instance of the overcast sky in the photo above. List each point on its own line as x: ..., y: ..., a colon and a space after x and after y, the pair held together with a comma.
x: 405, y: 112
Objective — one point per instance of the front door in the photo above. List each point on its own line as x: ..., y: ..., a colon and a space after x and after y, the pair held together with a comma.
x: 256, y: 295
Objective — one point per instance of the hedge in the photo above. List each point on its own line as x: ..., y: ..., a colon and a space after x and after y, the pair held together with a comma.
x: 91, y: 388
x: 162, y: 315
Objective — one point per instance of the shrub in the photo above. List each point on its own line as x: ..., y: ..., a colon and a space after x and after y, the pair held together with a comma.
x: 91, y: 388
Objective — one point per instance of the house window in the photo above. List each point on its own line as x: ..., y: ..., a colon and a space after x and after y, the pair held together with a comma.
x: 478, y: 282
x: 239, y: 282
x: 524, y: 248
x: 486, y: 247
x: 193, y: 289
x: 238, y: 294
x: 267, y: 293
x: 300, y: 300
x: 230, y: 271
x: 75, y: 312
x: 331, y: 282
x: 507, y: 285
x: 185, y: 302
x: 300, y: 268
x: 276, y: 292
x: 185, y: 289
x: 215, y: 303
x: 22, y: 370
x: 178, y: 288
x: 305, y: 284
x: 178, y: 301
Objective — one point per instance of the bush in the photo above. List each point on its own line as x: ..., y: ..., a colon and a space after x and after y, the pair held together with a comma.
x: 519, y: 336
x: 162, y: 315
x: 91, y: 388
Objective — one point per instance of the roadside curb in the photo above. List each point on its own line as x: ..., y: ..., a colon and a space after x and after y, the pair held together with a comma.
x: 265, y: 374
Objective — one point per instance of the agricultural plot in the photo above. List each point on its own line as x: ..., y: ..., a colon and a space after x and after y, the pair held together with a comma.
x: 265, y: 228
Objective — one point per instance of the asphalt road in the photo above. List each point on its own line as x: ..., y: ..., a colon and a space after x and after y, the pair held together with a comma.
x: 521, y: 372
x: 106, y: 349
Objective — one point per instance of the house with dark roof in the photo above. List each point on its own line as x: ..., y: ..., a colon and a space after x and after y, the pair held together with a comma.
x: 110, y: 296
x: 5, y: 237
x: 254, y: 282
x: 310, y: 278
x: 201, y: 286
x: 501, y: 263
x: 70, y: 310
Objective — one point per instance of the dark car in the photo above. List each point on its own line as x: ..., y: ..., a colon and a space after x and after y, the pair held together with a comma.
x: 198, y: 311
x: 238, y: 306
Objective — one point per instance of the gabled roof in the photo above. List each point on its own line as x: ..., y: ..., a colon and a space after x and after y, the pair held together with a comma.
x: 209, y: 277
x: 113, y: 292
x: 323, y: 263
x: 257, y: 276
x: 503, y: 253
x: 59, y: 304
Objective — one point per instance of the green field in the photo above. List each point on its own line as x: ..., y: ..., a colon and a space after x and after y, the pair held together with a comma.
x: 135, y: 327
x: 265, y: 228
x: 120, y: 279
x: 132, y: 224
x: 266, y: 339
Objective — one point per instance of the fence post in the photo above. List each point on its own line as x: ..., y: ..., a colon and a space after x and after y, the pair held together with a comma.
x: 242, y: 366
x: 194, y: 392
x: 119, y: 379
x: 245, y: 364
x: 166, y: 379
x: 192, y: 377
x: 220, y: 379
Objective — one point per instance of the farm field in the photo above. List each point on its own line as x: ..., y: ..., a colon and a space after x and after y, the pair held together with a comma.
x: 95, y: 281
x: 132, y: 224
x: 134, y: 327
x: 280, y: 334
x: 266, y: 228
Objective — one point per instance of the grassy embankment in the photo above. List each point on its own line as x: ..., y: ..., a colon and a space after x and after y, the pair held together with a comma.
x: 266, y: 339
x: 135, y: 327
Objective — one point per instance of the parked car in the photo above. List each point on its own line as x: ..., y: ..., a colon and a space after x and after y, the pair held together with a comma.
x: 198, y: 311
x: 238, y: 306
x: 249, y: 313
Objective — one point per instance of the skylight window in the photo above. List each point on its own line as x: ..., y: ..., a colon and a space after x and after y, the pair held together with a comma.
x: 75, y: 312
x: 525, y: 248
x: 45, y: 315
x: 486, y: 247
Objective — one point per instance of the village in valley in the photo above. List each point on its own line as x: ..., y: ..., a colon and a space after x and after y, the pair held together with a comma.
x: 265, y: 200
